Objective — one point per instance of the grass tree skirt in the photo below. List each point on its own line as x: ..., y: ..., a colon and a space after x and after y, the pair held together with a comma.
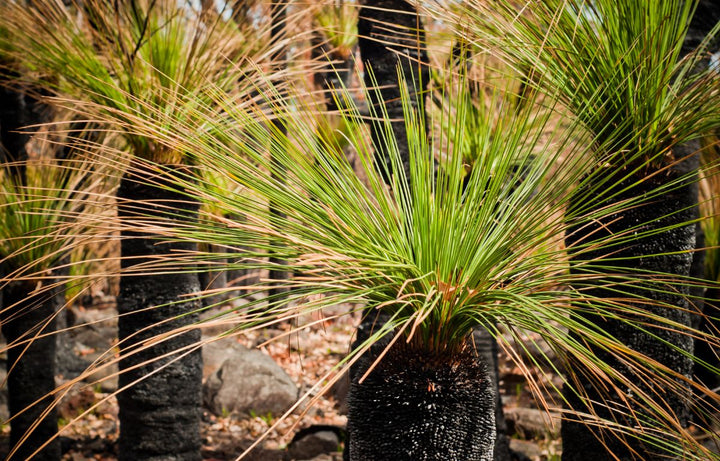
x: 418, y: 406
x: 160, y: 413
x: 31, y: 367
x: 670, y: 248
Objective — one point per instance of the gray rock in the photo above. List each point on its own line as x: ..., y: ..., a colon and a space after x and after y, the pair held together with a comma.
x: 530, y: 422
x: 249, y: 382
x: 90, y: 337
x: 216, y: 352
x: 68, y: 364
x: 527, y: 448
x: 314, y: 444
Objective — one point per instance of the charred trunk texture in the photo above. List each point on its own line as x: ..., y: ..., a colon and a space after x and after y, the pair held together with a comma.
x: 418, y: 406
x: 278, y: 172
x: 29, y: 309
x: 14, y: 115
x: 159, y: 414
x: 390, y: 34
x: 336, y: 71
x: 669, y: 252
x: 19, y: 112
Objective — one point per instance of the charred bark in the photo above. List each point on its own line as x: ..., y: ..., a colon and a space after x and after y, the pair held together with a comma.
x: 278, y: 172
x: 29, y: 309
x: 160, y: 412
x: 669, y: 252
x: 14, y: 115
x: 420, y: 406
x: 390, y: 34
x: 29, y: 305
x: 336, y: 71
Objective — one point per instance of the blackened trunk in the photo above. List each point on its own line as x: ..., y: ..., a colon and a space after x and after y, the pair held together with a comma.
x: 14, y: 115
x: 214, y: 280
x: 390, y: 34
x: 160, y: 414
x: 29, y: 308
x: 336, y: 70
x: 278, y: 173
x: 420, y: 406
x: 672, y: 255
x: 19, y: 113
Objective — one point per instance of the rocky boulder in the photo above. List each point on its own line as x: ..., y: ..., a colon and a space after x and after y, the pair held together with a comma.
x: 315, y: 441
x: 249, y: 382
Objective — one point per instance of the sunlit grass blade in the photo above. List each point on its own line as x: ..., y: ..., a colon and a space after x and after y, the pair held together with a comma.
x: 438, y: 257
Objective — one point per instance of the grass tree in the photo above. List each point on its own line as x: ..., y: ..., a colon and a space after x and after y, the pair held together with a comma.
x: 30, y: 303
x: 439, y: 252
x: 334, y: 47
x: 482, y: 106
x: 616, y: 66
x: 392, y: 45
x: 436, y: 255
x: 118, y: 55
x: 45, y: 214
x: 391, y: 35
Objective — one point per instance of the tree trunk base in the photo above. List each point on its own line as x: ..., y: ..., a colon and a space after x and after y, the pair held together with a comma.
x: 160, y: 411
x: 667, y: 251
x: 31, y: 368
x: 414, y: 407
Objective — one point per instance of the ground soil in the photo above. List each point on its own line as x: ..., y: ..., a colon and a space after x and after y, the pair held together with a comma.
x: 88, y: 413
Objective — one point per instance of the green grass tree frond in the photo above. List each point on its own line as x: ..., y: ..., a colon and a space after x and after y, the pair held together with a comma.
x: 621, y: 71
x: 438, y: 256
x: 617, y: 66
x: 120, y: 57
x: 441, y: 253
x: 53, y: 209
